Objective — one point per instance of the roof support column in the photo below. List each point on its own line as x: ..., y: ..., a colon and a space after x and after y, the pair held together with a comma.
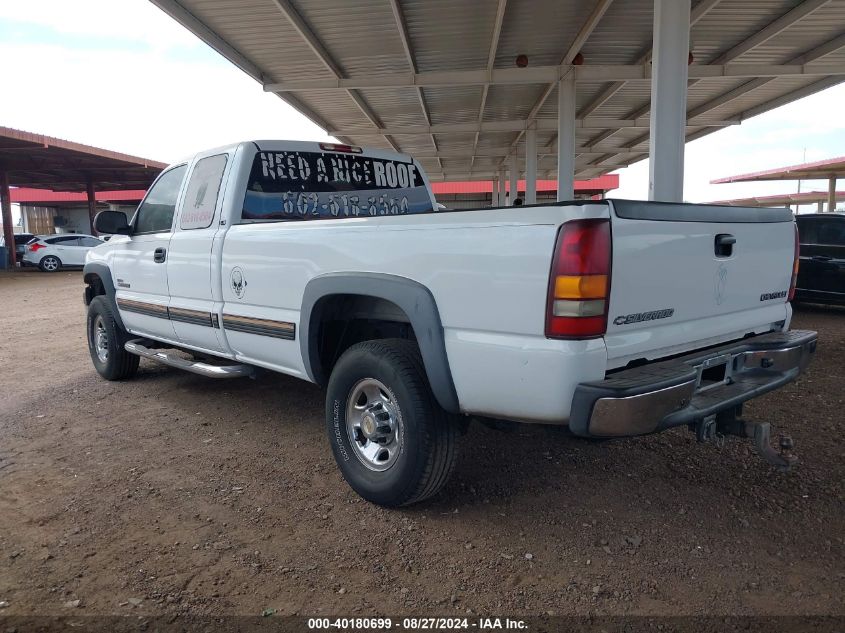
x: 531, y: 166
x: 8, y: 230
x: 831, y: 194
x: 668, y: 100
x: 514, y: 175
x: 566, y: 138
x: 494, y: 198
x: 92, y: 203
x: 820, y: 206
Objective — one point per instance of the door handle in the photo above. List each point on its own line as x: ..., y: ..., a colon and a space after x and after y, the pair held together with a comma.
x: 159, y: 255
x: 723, y: 245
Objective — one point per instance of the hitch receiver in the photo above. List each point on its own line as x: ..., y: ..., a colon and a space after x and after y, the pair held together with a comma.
x: 727, y: 423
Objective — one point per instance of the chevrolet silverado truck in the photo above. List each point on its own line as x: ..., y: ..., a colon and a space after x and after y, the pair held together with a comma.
x: 334, y: 264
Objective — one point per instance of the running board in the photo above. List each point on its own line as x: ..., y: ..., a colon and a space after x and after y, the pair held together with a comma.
x: 203, y: 369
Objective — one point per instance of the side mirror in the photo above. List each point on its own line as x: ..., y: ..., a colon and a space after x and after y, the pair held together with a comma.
x: 111, y: 223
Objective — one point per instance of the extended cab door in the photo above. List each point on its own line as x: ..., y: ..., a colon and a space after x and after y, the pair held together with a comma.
x: 191, y: 266
x: 140, y: 262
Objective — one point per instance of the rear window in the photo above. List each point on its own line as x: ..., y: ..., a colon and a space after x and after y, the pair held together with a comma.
x: 326, y: 185
x: 826, y: 231
x: 23, y: 239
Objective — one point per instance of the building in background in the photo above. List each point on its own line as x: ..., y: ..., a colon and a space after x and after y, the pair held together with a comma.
x: 44, y: 212
x: 475, y: 194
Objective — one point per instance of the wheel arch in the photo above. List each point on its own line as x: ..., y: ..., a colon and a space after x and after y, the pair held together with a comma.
x: 96, y: 274
x: 413, y: 298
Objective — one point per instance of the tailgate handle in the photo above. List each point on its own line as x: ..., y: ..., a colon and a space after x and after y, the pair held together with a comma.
x: 724, y: 245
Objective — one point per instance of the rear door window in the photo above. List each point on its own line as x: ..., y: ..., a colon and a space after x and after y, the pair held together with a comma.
x: 201, y: 194
x: 326, y: 185
x: 831, y: 231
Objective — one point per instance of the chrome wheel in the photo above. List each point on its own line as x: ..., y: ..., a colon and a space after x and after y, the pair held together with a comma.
x: 101, y: 340
x: 51, y: 264
x: 374, y: 424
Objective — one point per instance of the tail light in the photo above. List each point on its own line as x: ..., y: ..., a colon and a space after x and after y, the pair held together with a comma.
x: 579, y: 283
x: 795, y: 262
x: 34, y: 247
x: 337, y: 147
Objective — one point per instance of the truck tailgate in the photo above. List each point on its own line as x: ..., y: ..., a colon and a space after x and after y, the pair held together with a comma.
x: 688, y: 276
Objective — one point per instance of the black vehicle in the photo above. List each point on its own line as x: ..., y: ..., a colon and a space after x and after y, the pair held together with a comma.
x: 21, y: 240
x: 821, y: 273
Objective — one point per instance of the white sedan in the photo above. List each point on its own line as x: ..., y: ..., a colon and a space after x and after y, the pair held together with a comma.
x: 52, y: 252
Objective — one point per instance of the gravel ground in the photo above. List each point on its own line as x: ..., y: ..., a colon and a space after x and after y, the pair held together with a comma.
x: 172, y: 493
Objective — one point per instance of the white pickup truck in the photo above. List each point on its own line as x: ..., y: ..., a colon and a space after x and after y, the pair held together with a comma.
x: 333, y: 264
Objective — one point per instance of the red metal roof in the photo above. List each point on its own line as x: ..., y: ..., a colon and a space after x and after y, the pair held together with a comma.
x: 36, y: 160
x: 781, y: 199
x: 831, y: 167
x: 45, y: 197
x: 601, y: 184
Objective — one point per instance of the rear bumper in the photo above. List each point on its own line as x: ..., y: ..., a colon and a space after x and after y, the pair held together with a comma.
x: 674, y: 392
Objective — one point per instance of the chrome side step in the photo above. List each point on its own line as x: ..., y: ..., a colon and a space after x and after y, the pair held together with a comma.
x: 203, y: 369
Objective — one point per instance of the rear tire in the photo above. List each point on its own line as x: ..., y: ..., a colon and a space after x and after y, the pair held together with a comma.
x: 386, y: 380
x: 50, y: 264
x: 105, y: 343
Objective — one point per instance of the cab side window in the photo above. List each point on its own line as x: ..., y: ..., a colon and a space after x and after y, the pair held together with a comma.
x: 155, y: 215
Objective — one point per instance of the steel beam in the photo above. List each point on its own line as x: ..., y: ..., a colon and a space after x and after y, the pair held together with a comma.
x: 546, y: 74
x: 669, y: 98
x: 514, y: 177
x: 517, y: 125
x: 92, y: 203
x: 831, y: 194
x: 566, y: 139
x: 8, y: 228
x: 531, y: 166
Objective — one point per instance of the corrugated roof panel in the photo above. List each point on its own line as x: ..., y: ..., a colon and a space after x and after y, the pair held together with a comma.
x: 449, y: 35
x: 512, y: 101
x: 446, y: 35
x: 731, y: 23
x: 361, y: 36
x: 544, y: 41
x: 336, y: 107
x: 258, y: 29
x: 623, y: 34
x: 463, y: 141
x: 397, y: 106
x: 820, y: 26
x: 455, y: 104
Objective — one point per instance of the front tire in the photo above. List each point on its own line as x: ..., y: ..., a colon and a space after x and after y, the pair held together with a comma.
x: 105, y: 343
x: 50, y: 264
x: 392, y: 441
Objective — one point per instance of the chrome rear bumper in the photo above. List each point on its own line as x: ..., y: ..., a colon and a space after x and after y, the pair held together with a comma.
x: 664, y: 394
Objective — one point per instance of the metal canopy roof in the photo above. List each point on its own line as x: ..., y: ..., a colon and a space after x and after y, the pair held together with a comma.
x: 35, y: 160
x: 438, y: 79
x: 782, y: 199
x: 822, y: 169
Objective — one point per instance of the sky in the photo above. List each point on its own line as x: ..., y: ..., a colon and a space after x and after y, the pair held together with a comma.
x: 122, y: 75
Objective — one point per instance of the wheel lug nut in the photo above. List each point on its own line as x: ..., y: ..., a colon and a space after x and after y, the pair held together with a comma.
x: 376, y: 407
x: 383, y: 416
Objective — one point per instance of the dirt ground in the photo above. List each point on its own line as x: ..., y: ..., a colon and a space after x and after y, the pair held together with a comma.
x: 172, y: 493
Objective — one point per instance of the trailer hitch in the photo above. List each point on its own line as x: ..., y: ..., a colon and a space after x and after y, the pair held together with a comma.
x: 716, y: 427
